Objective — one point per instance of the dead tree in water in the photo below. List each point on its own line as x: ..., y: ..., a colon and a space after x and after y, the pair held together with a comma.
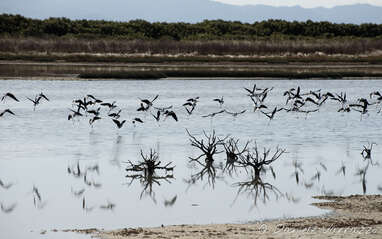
x: 209, y: 149
x: 145, y: 172
x: 233, y: 153
x: 257, y: 161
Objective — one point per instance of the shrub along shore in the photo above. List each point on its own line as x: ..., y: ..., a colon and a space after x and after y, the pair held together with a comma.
x: 272, y: 48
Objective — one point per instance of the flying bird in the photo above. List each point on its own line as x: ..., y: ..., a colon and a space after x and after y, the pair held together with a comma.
x: 119, y: 123
x: 157, y: 116
x: 234, y: 114
x: 6, y: 111
x: 220, y: 101
x: 171, y: 113
x: 137, y: 120
x: 9, y: 95
x: 213, y: 114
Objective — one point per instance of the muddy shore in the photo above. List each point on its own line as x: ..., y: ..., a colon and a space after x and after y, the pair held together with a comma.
x: 355, y: 216
x: 93, y: 71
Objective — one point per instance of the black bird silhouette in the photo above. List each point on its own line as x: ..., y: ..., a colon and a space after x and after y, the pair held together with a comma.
x: 157, y: 117
x: 94, y: 119
x: 363, y: 105
x: 189, y: 111
x: 115, y: 115
x: 94, y: 98
x: 188, y: 104
x: 340, y: 98
x: 220, y: 101
x: 257, y: 105
x: 148, y: 102
x: 41, y: 95
x: 318, y: 103
x: 297, y: 95
x: 35, y: 102
x: 142, y: 108
x: 95, y: 112
x: 193, y: 100
x: 344, y: 109
x: 83, y: 104
x: 171, y: 113
x: 163, y: 109
x: 110, y: 105
x: 9, y: 95
x: 213, y: 114
x: 137, y: 120
x: 6, y: 111
x: 270, y: 115
x: 74, y: 114
x: 119, y: 123
x: 234, y: 114
x: 252, y: 91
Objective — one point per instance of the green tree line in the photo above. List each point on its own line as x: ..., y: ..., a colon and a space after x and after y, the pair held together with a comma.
x: 17, y: 25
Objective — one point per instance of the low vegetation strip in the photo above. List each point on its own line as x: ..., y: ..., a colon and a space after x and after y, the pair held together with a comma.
x: 213, y: 74
x: 109, y: 58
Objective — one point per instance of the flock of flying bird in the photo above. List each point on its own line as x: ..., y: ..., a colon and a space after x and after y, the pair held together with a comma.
x: 35, y: 101
x: 296, y: 101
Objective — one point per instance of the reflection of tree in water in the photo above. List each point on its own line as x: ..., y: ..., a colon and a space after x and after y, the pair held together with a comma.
x: 256, y: 189
x: 208, y: 146
x: 146, y: 172
x: 251, y: 159
x: 254, y: 163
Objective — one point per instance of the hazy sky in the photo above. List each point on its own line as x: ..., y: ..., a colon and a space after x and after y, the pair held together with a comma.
x: 303, y: 3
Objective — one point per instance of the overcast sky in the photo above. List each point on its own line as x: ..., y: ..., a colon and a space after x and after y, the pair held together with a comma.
x: 302, y: 3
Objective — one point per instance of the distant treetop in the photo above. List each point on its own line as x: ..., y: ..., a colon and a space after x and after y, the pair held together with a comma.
x: 16, y: 25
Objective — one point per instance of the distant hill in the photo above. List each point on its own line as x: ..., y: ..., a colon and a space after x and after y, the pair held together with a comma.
x: 186, y: 11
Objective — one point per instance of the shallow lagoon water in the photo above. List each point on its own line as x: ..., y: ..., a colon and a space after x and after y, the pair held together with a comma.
x: 37, y: 147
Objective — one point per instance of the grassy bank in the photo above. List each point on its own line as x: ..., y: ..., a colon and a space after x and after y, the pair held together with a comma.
x: 212, y: 74
x: 109, y: 58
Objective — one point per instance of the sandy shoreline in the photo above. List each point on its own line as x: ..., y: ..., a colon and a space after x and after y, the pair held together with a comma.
x: 355, y: 216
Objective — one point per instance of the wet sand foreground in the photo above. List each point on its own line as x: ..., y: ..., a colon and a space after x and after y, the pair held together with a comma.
x: 356, y: 216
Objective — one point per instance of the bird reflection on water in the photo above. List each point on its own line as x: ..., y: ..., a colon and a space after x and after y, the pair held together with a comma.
x: 227, y: 163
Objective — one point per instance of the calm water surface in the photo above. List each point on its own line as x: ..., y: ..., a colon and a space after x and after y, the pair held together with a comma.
x: 37, y: 147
